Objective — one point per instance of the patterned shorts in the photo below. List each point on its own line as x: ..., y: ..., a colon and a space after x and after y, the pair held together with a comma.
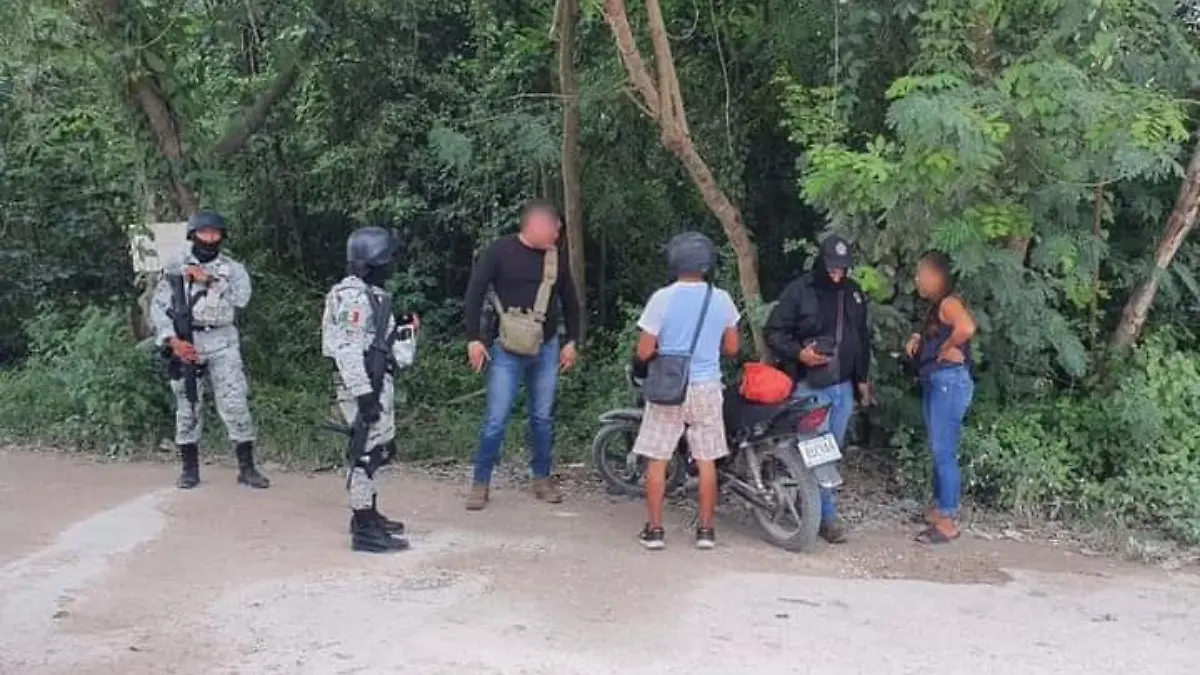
x: 700, y: 417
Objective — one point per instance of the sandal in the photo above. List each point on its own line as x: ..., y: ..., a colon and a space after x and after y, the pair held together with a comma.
x: 934, y: 535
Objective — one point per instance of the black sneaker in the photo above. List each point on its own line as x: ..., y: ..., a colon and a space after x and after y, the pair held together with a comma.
x: 706, y: 538
x: 653, y: 538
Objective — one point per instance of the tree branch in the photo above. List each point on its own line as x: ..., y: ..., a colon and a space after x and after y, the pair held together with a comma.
x: 670, y: 96
x: 554, y: 21
x: 256, y: 115
x: 1179, y: 225
x: 615, y: 16
x: 666, y: 106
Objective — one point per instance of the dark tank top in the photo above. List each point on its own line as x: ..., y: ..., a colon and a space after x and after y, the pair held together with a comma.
x: 927, y: 361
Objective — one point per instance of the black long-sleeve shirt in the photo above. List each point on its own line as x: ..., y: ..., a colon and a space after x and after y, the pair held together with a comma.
x: 514, y: 272
x: 807, y: 310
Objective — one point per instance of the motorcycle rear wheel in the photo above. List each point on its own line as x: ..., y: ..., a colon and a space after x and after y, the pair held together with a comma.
x: 797, y: 497
x: 624, y: 472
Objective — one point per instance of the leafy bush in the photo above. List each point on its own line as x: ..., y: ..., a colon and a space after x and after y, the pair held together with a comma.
x: 86, y: 383
x: 1131, y: 452
x: 1153, y: 440
x: 1025, y: 458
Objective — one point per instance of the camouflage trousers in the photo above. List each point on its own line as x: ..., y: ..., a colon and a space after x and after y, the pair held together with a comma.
x: 221, y: 358
x: 362, y: 486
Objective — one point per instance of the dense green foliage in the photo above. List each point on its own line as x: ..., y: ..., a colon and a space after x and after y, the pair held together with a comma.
x: 1040, y: 142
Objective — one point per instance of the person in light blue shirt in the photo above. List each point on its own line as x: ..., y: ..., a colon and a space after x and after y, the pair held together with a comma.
x: 690, y: 309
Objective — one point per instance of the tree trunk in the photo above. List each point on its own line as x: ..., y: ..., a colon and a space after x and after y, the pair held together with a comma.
x: 146, y: 93
x: 1098, y: 199
x: 664, y: 102
x: 1179, y: 224
x: 150, y: 100
x: 567, y: 13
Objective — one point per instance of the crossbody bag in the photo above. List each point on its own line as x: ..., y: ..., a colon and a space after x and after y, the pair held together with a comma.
x: 668, y: 375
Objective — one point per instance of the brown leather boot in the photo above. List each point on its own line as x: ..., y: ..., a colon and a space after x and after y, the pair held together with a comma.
x: 833, y: 531
x: 478, y: 498
x: 547, y: 490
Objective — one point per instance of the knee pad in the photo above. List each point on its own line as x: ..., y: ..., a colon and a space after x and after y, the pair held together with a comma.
x: 374, y: 458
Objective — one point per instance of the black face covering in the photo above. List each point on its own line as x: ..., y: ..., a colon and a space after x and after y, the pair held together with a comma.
x: 204, y: 251
x: 378, y: 276
x: 821, y: 275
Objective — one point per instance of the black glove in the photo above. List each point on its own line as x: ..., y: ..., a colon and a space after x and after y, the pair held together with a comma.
x: 368, y: 408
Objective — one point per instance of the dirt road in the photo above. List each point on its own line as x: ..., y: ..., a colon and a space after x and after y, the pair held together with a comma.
x: 107, y: 569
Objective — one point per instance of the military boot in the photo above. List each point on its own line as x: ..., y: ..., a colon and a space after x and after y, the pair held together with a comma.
x: 390, y: 526
x: 368, y: 536
x: 247, y: 474
x: 189, y: 477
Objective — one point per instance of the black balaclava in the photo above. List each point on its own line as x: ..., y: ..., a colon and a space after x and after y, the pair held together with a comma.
x: 204, y: 251
x: 378, y: 276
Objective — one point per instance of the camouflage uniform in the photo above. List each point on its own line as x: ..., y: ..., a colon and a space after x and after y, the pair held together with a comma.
x: 216, y: 342
x: 348, y: 330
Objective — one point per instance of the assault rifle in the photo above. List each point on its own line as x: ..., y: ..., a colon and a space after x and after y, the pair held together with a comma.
x: 180, y: 313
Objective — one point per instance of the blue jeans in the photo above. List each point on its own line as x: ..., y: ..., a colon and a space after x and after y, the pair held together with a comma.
x: 945, y: 398
x: 840, y: 398
x: 504, y: 374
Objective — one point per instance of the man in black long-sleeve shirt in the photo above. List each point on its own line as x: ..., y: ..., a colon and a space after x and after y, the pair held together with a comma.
x: 818, y: 332
x: 512, y: 266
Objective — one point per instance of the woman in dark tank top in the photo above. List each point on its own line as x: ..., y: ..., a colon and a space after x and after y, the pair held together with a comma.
x: 942, y: 352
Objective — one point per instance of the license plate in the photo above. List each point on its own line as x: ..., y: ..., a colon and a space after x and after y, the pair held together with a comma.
x: 820, y: 450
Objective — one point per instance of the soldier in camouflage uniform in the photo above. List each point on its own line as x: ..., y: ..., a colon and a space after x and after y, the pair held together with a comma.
x: 221, y: 286
x: 354, y: 312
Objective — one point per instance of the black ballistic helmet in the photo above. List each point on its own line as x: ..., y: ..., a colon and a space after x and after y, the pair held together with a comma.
x: 690, y: 253
x: 371, y: 247
x: 202, y: 220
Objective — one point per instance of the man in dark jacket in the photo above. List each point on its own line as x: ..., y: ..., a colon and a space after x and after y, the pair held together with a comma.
x: 818, y: 333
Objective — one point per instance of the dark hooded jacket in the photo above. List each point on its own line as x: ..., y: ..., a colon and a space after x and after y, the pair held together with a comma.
x: 808, y: 310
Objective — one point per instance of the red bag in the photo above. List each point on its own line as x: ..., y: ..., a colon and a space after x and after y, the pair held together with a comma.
x: 766, y: 385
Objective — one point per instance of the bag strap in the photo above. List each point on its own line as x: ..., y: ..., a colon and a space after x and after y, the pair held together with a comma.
x: 841, y: 314
x: 703, y: 314
x: 549, y: 276
x: 381, y: 313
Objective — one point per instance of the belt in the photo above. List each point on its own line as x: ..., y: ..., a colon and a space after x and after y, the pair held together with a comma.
x: 207, y: 329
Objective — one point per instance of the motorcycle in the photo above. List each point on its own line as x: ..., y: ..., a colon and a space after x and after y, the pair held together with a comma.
x: 778, y: 459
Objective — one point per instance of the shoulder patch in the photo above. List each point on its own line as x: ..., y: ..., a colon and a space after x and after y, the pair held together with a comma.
x: 349, y: 306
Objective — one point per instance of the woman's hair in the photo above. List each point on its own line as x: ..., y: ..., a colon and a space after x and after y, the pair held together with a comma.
x: 941, y: 264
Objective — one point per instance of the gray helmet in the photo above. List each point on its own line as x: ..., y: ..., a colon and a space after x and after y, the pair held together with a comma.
x: 690, y: 253
x: 371, y: 247
x: 202, y: 220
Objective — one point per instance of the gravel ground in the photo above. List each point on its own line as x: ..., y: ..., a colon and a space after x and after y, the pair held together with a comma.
x: 104, y: 568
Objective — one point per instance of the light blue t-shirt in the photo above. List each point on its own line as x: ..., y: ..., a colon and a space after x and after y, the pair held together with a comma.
x: 671, y: 315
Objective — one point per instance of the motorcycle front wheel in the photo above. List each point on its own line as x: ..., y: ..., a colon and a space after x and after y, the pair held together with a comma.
x: 794, y: 521
x: 624, y: 472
